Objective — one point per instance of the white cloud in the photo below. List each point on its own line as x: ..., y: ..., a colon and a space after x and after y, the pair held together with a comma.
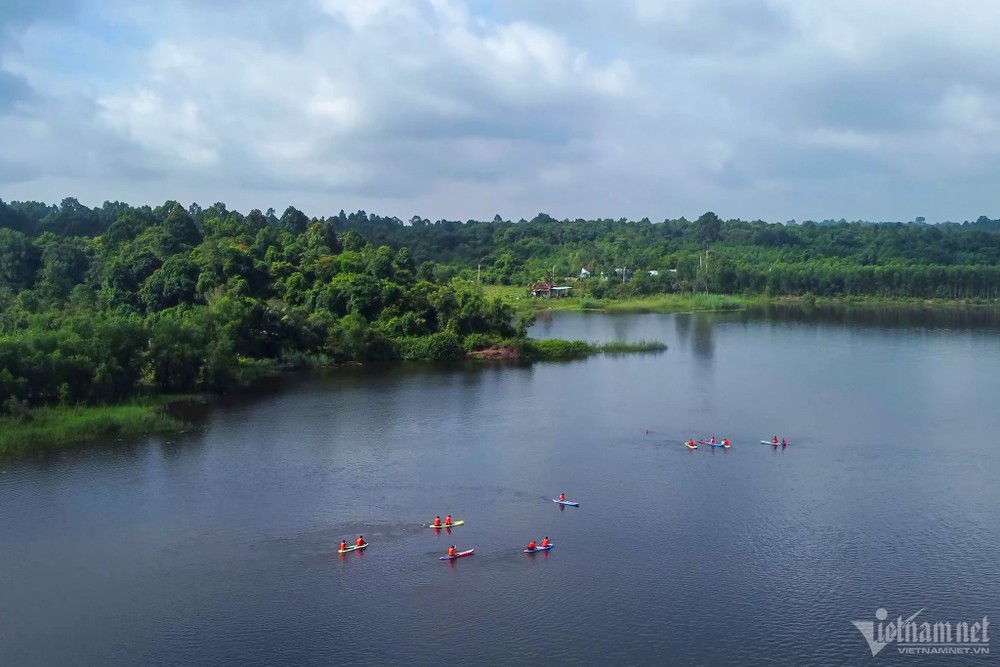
x: 580, y: 108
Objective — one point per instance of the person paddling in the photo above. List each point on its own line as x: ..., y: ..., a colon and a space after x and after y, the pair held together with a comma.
x: 451, y: 551
x: 531, y: 545
x: 562, y: 497
x: 447, y: 520
x: 691, y: 442
x: 774, y: 440
x: 437, y: 522
x: 725, y: 442
x: 361, y: 540
x: 545, y: 541
x: 343, y: 545
x: 712, y: 441
x: 784, y: 442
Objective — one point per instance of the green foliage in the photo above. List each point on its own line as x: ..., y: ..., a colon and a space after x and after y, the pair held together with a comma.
x: 553, y: 350
x: 624, y: 347
x: 99, y: 305
x: 479, y: 341
x: 49, y: 428
x: 443, y: 346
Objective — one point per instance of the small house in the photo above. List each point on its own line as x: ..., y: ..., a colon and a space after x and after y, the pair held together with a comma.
x: 549, y: 291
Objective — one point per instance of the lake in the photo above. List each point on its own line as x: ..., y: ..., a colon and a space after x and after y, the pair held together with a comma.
x: 218, y: 546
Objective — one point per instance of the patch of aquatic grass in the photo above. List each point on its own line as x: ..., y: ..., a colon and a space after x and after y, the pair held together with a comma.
x: 558, y: 350
x: 625, y: 347
x: 56, y: 427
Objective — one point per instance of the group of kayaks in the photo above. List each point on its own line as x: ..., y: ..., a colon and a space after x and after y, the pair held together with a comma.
x: 448, y: 524
x: 725, y: 444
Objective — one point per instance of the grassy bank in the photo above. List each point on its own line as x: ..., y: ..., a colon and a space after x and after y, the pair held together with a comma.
x: 519, y: 298
x: 51, y: 428
x: 660, y: 303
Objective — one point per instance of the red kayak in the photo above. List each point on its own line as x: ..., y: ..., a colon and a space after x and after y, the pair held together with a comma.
x: 460, y: 554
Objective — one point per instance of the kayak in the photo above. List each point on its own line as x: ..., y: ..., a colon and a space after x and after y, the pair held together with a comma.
x: 565, y: 502
x: 715, y: 444
x: 460, y: 554
x: 450, y: 525
x: 770, y: 442
x: 690, y: 446
x: 537, y: 549
x: 354, y: 548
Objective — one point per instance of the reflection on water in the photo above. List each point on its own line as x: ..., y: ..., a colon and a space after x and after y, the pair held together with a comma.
x: 694, y: 330
x: 881, y: 316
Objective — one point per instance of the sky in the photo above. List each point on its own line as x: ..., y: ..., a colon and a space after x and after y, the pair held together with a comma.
x: 773, y: 110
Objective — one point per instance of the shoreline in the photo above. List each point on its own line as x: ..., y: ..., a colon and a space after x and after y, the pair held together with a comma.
x: 47, y: 429
x: 52, y: 428
x: 708, y: 302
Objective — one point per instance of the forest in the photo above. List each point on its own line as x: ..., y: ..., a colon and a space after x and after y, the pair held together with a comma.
x: 98, y: 305
x: 944, y: 261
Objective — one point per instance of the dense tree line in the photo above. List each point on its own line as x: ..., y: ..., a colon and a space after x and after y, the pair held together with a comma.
x: 710, y: 254
x: 99, y: 304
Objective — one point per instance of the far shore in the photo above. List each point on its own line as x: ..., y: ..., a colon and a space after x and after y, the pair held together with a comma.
x: 522, y: 300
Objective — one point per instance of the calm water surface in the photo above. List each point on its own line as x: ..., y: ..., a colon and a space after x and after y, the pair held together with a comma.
x: 217, y: 547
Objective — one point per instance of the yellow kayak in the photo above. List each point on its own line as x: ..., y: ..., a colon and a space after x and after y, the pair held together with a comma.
x: 354, y: 548
x: 449, y: 525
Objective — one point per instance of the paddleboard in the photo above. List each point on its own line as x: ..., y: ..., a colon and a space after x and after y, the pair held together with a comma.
x: 354, y: 548
x: 768, y: 442
x: 448, y: 525
x: 460, y: 554
x: 565, y: 502
x: 537, y: 549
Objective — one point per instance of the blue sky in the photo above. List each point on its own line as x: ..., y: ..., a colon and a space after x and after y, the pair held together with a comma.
x: 447, y: 109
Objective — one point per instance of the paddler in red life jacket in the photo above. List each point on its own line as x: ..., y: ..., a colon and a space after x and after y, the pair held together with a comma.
x: 451, y: 550
x: 775, y: 440
x: 725, y: 442
x: 691, y: 442
x: 361, y: 540
x: 545, y: 541
x: 783, y: 442
x: 531, y: 545
x: 562, y: 497
x: 437, y: 522
x: 343, y: 545
x: 712, y: 441
x: 447, y: 520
